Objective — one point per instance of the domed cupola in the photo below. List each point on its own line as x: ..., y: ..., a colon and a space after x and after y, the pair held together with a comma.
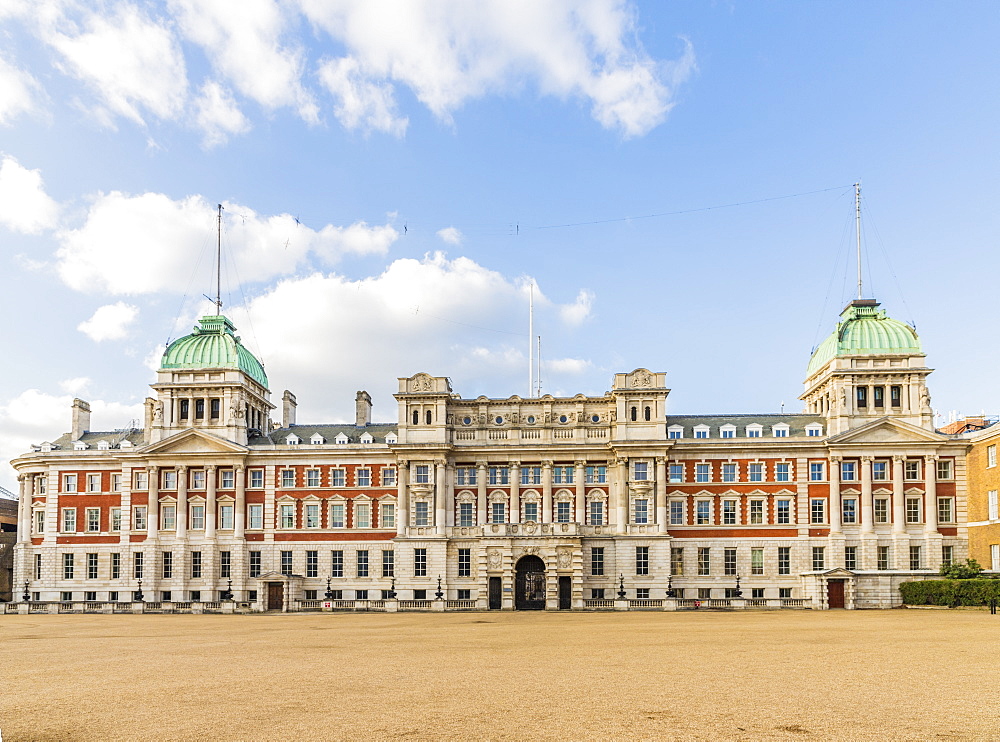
x: 870, y: 366
x: 209, y: 380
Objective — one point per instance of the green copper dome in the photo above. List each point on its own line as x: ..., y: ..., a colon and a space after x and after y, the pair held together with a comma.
x: 864, y: 329
x: 213, y: 345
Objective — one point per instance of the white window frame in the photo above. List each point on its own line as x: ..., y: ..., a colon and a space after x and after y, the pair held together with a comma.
x: 783, y: 471
x: 780, y: 430
x: 93, y: 519
x: 387, y: 515
x: 702, y: 431
x: 387, y: 476
x: 363, y: 477
x: 338, y: 514
x: 363, y: 514
x: 814, y: 430
x: 69, y: 483
x: 67, y: 523
x: 255, y: 516
x: 286, y: 515
x: 338, y: 476
x: 755, y: 430
x: 168, y: 523
x: 727, y: 431
x: 675, y: 432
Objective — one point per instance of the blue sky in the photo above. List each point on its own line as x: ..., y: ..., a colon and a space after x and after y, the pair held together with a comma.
x: 430, y: 151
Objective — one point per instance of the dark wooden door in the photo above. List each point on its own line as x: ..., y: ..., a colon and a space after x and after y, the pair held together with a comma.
x: 529, y: 584
x: 496, y: 594
x: 835, y: 593
x: 565, y: 593
x: 275, y: 596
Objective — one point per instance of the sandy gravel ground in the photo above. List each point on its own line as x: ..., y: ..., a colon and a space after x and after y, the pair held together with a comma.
x: 879, y: 675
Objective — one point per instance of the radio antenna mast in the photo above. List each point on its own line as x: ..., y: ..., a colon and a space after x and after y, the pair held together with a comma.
x: 531, y: 338
x: 538, y: 360
x: 857, y: 218
x: 218, y: 265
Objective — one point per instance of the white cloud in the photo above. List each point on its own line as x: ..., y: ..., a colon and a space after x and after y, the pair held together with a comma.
x: 105, y: 255
x: 133, y: 62
x: 24, y: 204
x: 572, y: 366
x: 579, y: 310
x: 109, y: 322
x: 75, y: 386
x: 217, y: 115
x: 361, y: 102
x: 450, y: 235
x: 18, y: 92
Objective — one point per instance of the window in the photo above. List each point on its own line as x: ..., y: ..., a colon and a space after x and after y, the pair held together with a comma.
x: 849, y: 506
x: 948, y: 556
x: 817, y: 511
x: 944, y: 469
x: 198, y: 479
x: 226, y: 517
x: 139, y: 518
x: 465, y: 562
x: 363, y: 477
x: 93, y: 520
x: 225, y: 564
x: 597, y: 561
x: 137, y: 564
x: 782, y: 472
x: 729, y: 472
x: 915, y: 561
x: 256, y: 516
x: 991, y: 458
x: 819, y: 559
x: 286, y: 562
x: 387, y: 515
x: 363, y: 515
x: 729, y: 561
x: 256, y: 478
x: 642, y: 593
x: 850, y: 557
x: 116, y: 566
x: 563, y: 511
x: 39, y: 522
x: 702, y: 472
x: 756, y: 472
x: 784, y: 512
x: 116, y: 519
x: 701, y: 431
x: 757, y: 593
x: 255, y: 564
x: 312, y: 477
x: 464, y: 475
x: 361, y: 557
x: 784, y: 592
x: 779, y: 431
x: 170, y: 480
x: 596, y: 513
x: 882, y: 557
x: 675, y: 432
x: 728, y: 431
x: 597, y: 475
x: 676, y: 513
x: 337, y: 563
x: 287, y: 515
x: 704, y: 593
x: 420, y: 562
x: 816, y: 471
x: 704, y: 561
x: 754, y: 431
x: 531, y: 511
x: 338, y: 515
x: 784, y: 560
x: 640, y: 471
x: 389, y: 477
x: 895, y: 395
x: 498, y: 475
x: 847, y: 471
x: 141, y: 480
x: 168, y: 517
x: 945, y: 510
x: 69, y: 482
x: 912, y: 509
x: 196, y: 564
x: 880, y: 471
x: 69, y: 520
x: 756, y: 512
x: 642, y: 560
x: 227, y: 479
x: 312, y: 563
x: 881, y: 510
x: 92, y: 567
x: 67, y: 566
x: 814, y: 431
x: 168, y: 565
x: 911, y: 470
x: 862, y: 396
x: 702, y: 512
x: 287, y: 477
x: 93, y: 483
x: 421, y: 513
x: 677, y: 560
x: 878, y: 396
x: 466, y: 515
x: 531, y: 475
x: 312, y: 515
x: 499, y: 512
x: 597, y: 593
x: 756, y: 561
x: 562, y: 475
x: 198, y: 517
x: 729, y: 512
x: 641, y: 511
x: 388, y: 563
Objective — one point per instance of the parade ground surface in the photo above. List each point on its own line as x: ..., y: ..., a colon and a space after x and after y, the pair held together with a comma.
x: 796, y: 675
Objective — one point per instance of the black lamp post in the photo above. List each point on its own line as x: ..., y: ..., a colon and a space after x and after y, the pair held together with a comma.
x: 26, y: 597
x: 392, y: 590
x: 737, y: 593
x: 227, y: 594
x: 138, y: 593
x: 438, y: 595
x: 671, y: 593
x: 621, y: 588
x: 329, y: 593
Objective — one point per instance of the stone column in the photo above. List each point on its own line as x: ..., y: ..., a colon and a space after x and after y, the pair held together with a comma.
x: 867, y: 521
x: 481, y: 492
x: 581, y: 485
x: 930, y: 496
x: 619, y: 496
x: 836, y: 510
x: 661, y: 494
x: 403, y: 498
x: 210, y: 507
x: 24, y: 490
x: 439, y: 498
x: 515, y: 491
x: 182, y: 499
x: 898, y: 498
x: 546, y: 492
x: 240, y: 510
x: 450, y: 494
x: 153, y: 501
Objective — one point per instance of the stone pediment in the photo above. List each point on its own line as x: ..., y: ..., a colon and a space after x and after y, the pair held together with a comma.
x: 194, y: 441
x: 886, y: 430
x: 838, y: 572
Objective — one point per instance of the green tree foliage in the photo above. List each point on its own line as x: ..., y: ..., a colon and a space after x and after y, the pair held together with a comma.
x: 951, y: 592
x: 968, y: 571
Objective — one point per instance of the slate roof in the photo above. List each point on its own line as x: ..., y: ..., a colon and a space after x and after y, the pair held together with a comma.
x: 92, y: 438
x: 796, y: 423
x: 378, y: 432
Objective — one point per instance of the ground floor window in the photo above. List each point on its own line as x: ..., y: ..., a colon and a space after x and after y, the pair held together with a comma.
x: 642, y: 593
x: 850, y: 557
x: 756, y: 593
x: 819, y: 558
x: 915, y: 557
x: 361, y: 595
x: 465, y: 595
x: 597, y: 593
x: 310, y: 595
x: 948, y: 555
x: 704, y: 593
x: 420, y: 595
x: 882, y: 557
x: 784, y: 592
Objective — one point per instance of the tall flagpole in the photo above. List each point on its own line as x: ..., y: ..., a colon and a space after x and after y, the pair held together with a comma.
x: 531, y: 338
x: 218, y: 265
x: 857, y: 217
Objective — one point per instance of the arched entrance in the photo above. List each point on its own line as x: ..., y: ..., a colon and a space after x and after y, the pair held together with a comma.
x: 529, y: 584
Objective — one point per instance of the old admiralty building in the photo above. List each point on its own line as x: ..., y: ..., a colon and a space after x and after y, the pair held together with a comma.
x: 514, y: 503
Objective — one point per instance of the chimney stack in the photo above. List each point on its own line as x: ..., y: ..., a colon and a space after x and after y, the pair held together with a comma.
x: 81, y: 419
x: 288, y: 405
x: 363, y: 409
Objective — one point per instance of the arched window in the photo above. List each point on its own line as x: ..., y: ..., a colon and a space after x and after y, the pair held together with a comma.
x: 646, y: 414
x: 416, y: 417
x: 427, y: 417
x: 634, y: 413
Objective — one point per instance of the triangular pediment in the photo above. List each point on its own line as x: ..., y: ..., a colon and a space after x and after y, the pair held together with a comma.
x: 838, y: 572
x: 194, y: 441
x: 886, y: 430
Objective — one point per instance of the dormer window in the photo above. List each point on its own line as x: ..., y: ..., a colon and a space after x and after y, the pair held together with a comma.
x: 814, y: 430
x: 46, y: 447
x: 755, y: 430
x: 317, y: 439
x: 780, y: 430
x: 367, y: 438
x: 728, y: 431
x: 391, y: 438
x: 675, y: 432
x: 341, y: 438
x: 701, y: 431
x: 79, y: 446
x: 125, y: 444
x: 103, y: 446
x: 292, y: 440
